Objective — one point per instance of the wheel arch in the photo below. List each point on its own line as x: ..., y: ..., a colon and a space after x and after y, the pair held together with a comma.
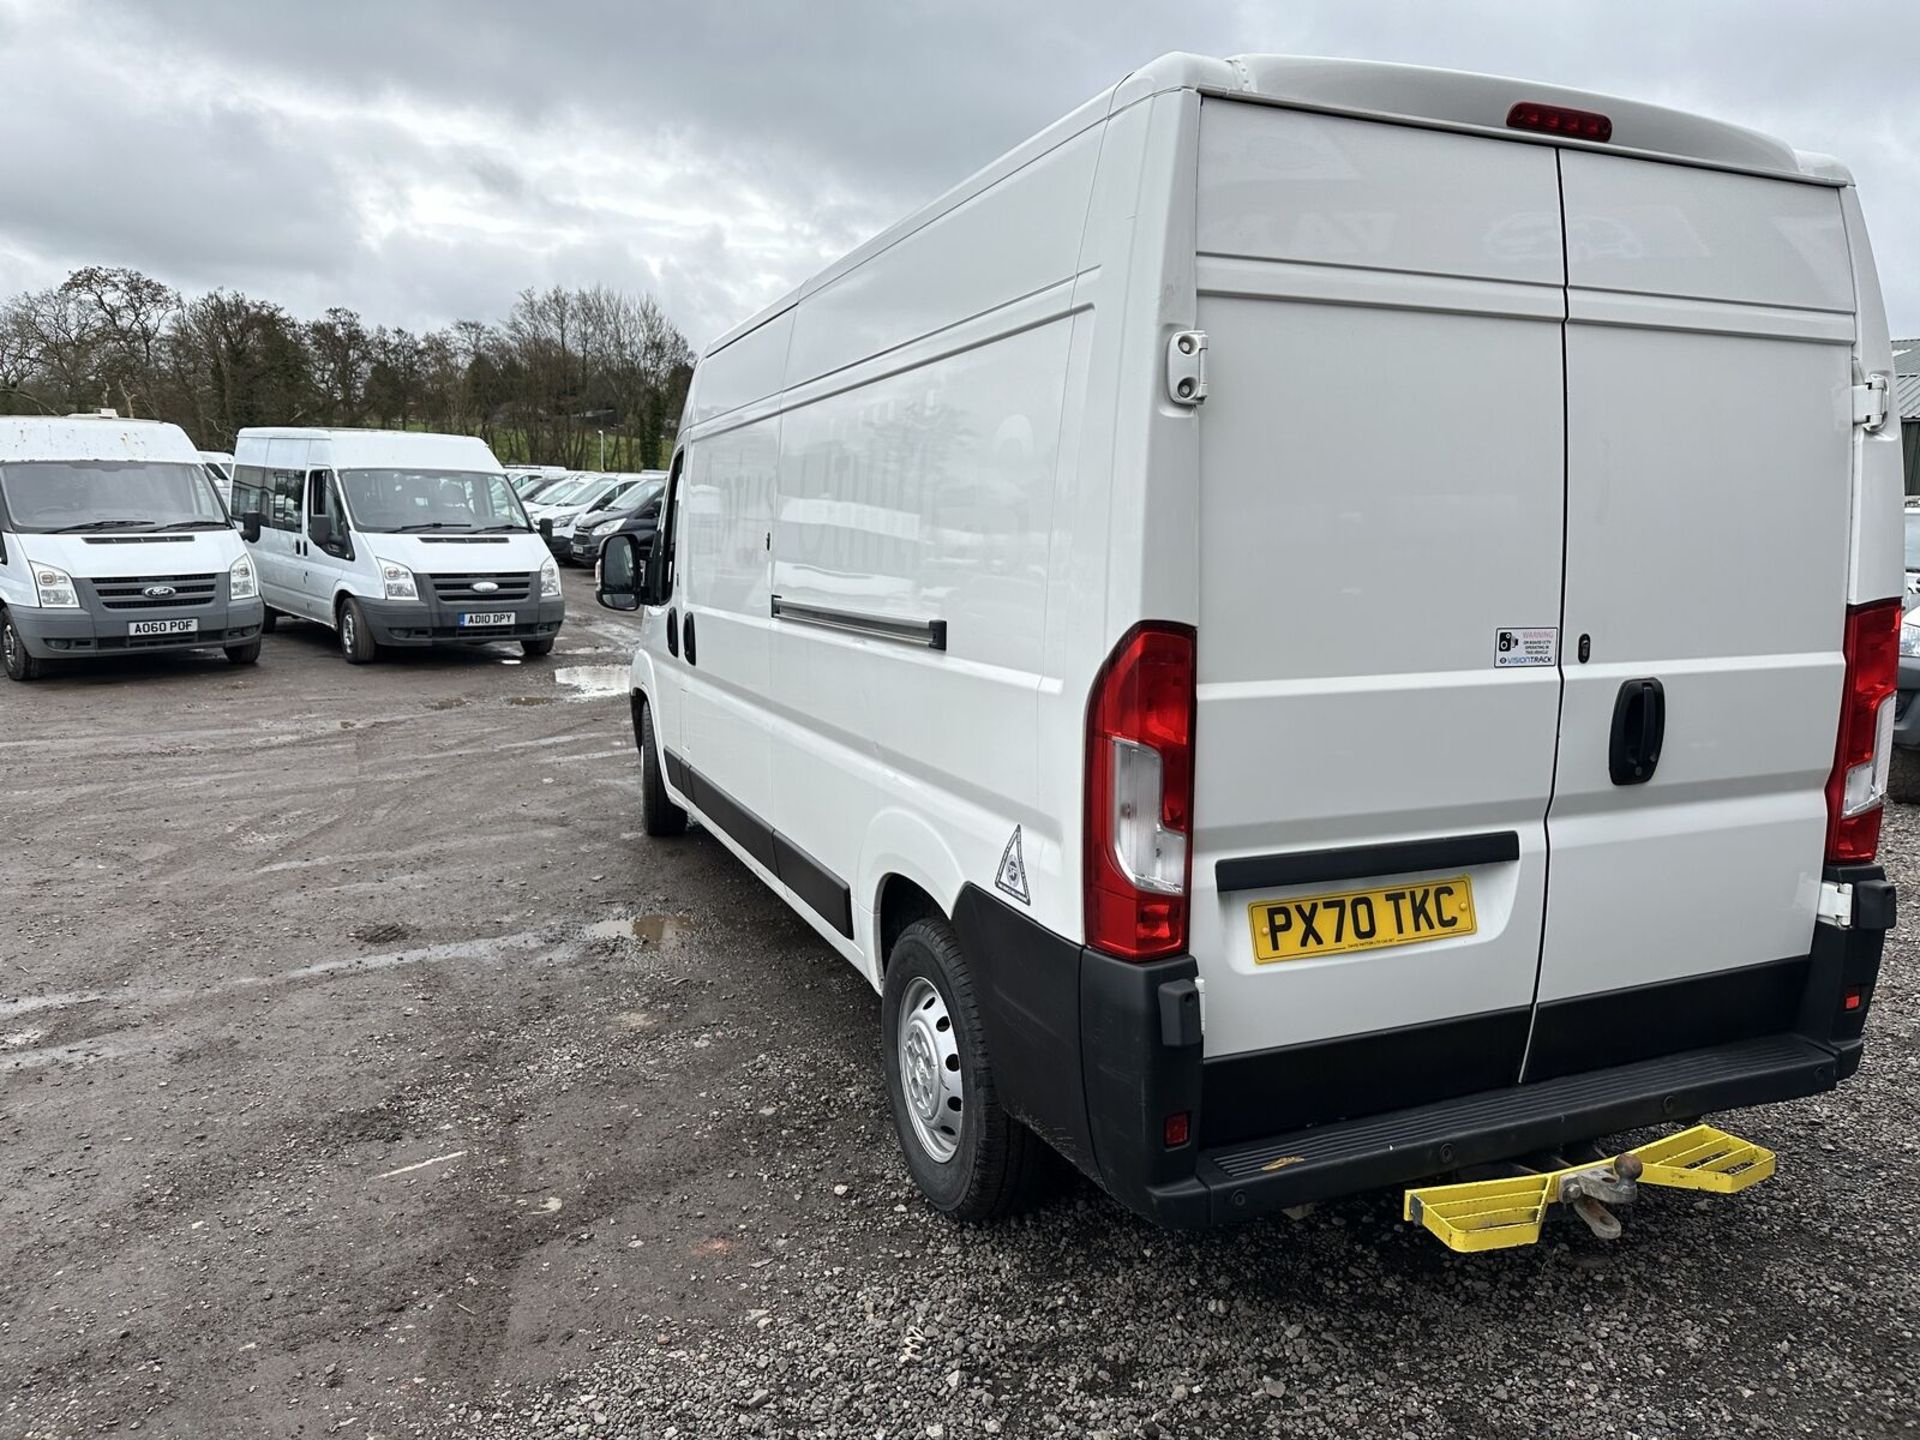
x: 907, y: 871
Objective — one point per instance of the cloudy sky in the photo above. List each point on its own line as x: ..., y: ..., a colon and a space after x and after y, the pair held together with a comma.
x: 423, y: 160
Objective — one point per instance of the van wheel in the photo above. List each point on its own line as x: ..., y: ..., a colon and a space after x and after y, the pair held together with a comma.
x: 659, y: 816
x: 1903, y: 776
x: 20, y: 665
x: 356, y: 640
x: 969, y: 1157
x: 534, y: 649
x: 247, y: 654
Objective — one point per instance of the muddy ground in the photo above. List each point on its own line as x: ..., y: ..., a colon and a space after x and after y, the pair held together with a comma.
x: 363, y: 1071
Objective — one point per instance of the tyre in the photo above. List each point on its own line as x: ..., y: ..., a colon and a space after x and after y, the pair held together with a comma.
x: 1903, y: 776
x: 969, y: 1157
x: 247, y: 654
x: 270, y: 621
x: 13, y: 650
x: 659, y: 816
x: 534, y: 649
x: 356, y: 640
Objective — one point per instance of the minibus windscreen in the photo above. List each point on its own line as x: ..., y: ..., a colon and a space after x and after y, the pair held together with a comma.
x: 403, y: 500
x: 55, y: 496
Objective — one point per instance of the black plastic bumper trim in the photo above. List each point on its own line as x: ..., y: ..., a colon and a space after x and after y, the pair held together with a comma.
x: 1359, y: 862
x: 1619, y: 1027
x: 1237, y: 1182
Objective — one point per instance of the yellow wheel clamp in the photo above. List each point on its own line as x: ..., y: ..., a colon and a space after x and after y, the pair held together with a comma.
x: 1499, y: 1214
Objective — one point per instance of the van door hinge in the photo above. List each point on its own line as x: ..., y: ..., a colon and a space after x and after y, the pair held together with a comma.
x: 1187, y: 367
x: 1870, y: 403
x: 1836, y: 904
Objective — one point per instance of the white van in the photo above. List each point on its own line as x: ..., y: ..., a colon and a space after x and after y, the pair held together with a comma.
x: 112, y: 541
x: 394, y: 538
x: 219, y: 465
x: 1239, y: 621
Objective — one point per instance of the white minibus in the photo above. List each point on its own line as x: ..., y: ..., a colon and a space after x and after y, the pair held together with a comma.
x: 394, y: 538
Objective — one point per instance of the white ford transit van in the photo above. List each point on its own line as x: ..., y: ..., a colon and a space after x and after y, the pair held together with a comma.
x: 112, y: 540
x: 394, y: 538
x: 1239, y: 621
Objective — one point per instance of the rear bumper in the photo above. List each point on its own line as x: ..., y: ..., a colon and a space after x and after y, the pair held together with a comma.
x: 75, y: 634
x: 1094, y: 1054
x: 437, y: 622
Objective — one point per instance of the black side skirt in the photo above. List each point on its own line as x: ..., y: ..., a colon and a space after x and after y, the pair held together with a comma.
x: 825, y: 893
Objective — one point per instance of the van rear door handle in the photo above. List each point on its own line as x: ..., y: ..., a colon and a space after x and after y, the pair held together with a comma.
x: 673, y: 633
x: 1639, y: 729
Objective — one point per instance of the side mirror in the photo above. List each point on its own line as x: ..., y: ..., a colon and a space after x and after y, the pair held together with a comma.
x: 546, y: 529
x: 620, y: 574
x: 320, y: 531
x: 250, y: 524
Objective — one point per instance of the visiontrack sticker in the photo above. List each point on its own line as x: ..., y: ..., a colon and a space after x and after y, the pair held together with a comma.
x: 1012, y: 877
x: 1526, y: 645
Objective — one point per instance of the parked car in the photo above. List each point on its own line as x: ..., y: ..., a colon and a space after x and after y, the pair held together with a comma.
x: 394, y: 538
x: 636, y: 513
x: 112, y: 540
x: 602, y: 492
x: 528, y: 480
x: 1030, y: 614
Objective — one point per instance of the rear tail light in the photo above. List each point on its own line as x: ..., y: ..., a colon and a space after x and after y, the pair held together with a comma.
x: 1857, y: 788
x: 1559, y: 120
x: 1139, y: 823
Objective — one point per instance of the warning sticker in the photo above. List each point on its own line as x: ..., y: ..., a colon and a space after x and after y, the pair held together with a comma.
x: 1526, y: 645
x: 1013, y: 870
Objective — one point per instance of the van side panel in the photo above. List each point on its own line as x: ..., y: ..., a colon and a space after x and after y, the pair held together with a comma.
x: 1380, y: 495
x: 917, y: 463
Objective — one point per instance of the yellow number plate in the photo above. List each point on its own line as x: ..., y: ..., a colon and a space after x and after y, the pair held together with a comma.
x: 1311, y: 925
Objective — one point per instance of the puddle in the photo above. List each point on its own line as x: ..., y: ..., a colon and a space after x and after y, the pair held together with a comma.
x: 594, y: 682
x: 647, y: 929
x: 530, y: 700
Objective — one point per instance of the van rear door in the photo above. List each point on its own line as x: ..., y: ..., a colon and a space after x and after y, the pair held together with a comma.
x: 1708, y: 366
x: 1381, y: 502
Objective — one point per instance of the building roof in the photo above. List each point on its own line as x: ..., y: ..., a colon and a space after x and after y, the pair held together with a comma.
x: 1906, y: 357
x: 1906, y: 396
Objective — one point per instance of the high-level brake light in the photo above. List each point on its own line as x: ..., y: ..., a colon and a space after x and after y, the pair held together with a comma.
x: 1560, y: 120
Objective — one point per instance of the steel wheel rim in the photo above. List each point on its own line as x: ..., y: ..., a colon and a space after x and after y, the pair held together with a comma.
x: 9, y: 643
x: 927, y: 1057
x: 347, y: 637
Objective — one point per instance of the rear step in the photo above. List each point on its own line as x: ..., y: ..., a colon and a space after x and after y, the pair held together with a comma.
x: 1499, y: 1214
x: 1339, y: 1159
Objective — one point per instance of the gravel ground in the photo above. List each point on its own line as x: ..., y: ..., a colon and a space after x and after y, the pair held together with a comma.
x: 362, y: 1072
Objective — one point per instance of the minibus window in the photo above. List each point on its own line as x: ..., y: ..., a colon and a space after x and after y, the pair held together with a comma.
x: 49, y: 496
x: 420, y: 500
x: 1913, y: 539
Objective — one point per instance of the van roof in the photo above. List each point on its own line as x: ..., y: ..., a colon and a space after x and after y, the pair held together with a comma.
x: 374, y: 449
x: 92, y: 437
x: 1374, y: 90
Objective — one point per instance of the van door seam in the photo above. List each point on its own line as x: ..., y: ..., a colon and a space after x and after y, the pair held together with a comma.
x: 1560, y: 650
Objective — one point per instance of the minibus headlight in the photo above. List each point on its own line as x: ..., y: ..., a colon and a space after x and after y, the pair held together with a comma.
x: 549, y: 579
x: 54, y: 588
x: 242, y: 583
x: 399, y: 581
